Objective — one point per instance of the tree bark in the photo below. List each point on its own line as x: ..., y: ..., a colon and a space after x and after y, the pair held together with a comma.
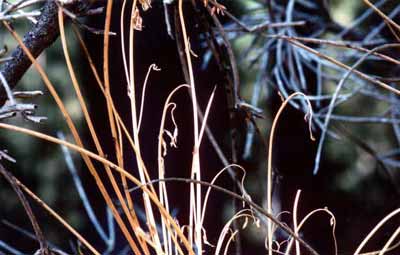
x: 37, y: 39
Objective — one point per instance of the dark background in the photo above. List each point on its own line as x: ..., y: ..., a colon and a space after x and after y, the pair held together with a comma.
x: 358, y: 207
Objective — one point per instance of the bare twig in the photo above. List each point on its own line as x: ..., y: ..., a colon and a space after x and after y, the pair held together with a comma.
x: 283, y: 226
x: 39, y: 234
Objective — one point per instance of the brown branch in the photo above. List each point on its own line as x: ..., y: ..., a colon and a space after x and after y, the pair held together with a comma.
x: 38, y: 232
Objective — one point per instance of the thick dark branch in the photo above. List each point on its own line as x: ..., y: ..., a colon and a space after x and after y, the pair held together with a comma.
x: 40, y: 37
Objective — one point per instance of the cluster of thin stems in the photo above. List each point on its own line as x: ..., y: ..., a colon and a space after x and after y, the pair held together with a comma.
x: 159, y: 231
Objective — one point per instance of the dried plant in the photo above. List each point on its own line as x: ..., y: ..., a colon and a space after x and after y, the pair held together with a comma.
x: 281, y: 51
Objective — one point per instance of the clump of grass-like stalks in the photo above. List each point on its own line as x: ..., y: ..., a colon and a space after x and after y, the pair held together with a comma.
x: 162, y: 234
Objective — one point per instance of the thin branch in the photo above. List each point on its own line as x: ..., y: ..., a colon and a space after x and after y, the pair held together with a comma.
x: 38, y: 232
x: 261, y: 210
